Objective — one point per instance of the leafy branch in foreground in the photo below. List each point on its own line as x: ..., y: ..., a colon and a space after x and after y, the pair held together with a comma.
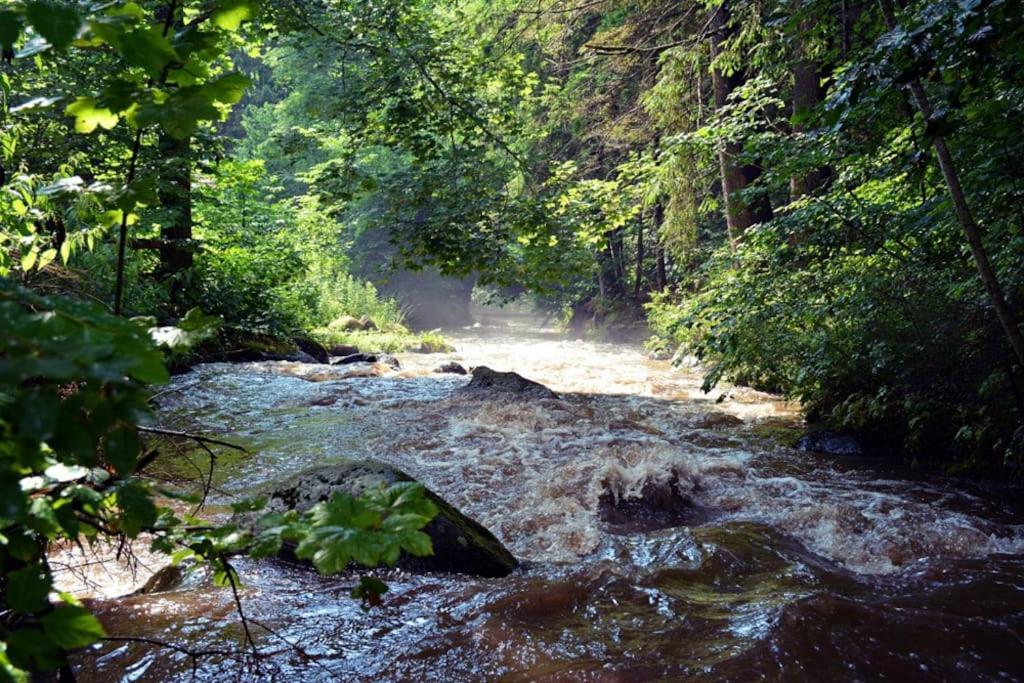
x: 74, y: 394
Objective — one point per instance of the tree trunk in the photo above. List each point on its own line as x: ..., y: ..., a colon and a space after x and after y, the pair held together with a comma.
x: 639, y: 259
x: 658, y: 219
x: 807, y: 94
x: 737, y: 215
x: 1007, y: 316
x: 176, y: 195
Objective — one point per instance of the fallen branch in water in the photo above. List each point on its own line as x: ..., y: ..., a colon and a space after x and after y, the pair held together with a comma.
x: 194, y: 655
x: 194, y: 437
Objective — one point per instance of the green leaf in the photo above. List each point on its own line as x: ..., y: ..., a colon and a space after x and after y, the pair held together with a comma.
x: 88, y: 115
x: 228, y: 89
x: 27, y: 589
x: 28, y: 259
x: 230, y: 14
x: 122, y: 447
x: 137, y: 508
x: 72, y: 627
x: 30, y: 649
x: 417, y: 543
x: 58, y: 22
x: 149, y: 49
x: 369, y: 591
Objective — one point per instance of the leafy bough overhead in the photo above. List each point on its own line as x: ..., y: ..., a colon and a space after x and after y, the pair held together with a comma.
x: 171, y: 75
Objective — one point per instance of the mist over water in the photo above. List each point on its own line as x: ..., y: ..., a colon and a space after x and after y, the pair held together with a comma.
x: 777, y: 564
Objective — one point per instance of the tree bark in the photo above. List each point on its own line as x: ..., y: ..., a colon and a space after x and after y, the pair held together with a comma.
x: 176, y: 195
x: 807, y: 94
x: 639, y: 259
x: 658, y: 219
x: 738, y: 216
x: 1007, y: 316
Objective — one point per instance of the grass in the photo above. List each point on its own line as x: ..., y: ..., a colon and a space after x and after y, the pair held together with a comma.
x: 394, y: 340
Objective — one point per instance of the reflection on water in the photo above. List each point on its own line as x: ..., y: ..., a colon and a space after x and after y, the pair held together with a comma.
x: 795, y: 566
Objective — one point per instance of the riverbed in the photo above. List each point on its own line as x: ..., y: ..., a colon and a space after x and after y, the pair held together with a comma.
x: 785, y: 566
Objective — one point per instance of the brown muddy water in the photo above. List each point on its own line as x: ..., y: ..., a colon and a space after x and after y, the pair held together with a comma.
x: 783, y: 566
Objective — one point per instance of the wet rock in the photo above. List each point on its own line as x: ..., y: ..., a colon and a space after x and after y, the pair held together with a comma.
x: 486, y: 379
x: 312, y: 348
x: 300, y: 357
x: 716, y: 420
x: 660, y: 354
x: 240, y: 346
x: 385, y: 358
x: 166, y: 579
x: 451, y: 368
x: 682, y: 359
x: 342, y: 350
x: 355, y: 358
x: 830, y: 442
x: 628, y: 425
x: 660, y: 505
x: 461, y: 545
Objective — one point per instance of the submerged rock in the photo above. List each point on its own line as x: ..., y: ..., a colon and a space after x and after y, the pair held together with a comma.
x: 830, y: 442
x: 659, y: 505
x: 717, y: 420
x: 486, y: 379
x: 461, y: 545
x: 451, y: 368
x: 384, y: 358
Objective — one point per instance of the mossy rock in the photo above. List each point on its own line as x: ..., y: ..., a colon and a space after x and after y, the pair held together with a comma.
x: 461, y: 545
x: 235, y: 345
x: 346, y: 323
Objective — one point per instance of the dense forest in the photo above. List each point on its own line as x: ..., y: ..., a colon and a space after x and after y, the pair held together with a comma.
x: 817, y: 199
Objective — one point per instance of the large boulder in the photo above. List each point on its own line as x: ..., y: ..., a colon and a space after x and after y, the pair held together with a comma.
x: 830, y: 442
x: 486, y: 380
x: 312, y: 348
x: 461, y: 545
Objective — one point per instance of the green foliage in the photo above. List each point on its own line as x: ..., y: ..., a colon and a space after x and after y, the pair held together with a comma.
x: 861, y: 300
x: 74, y: 389
x: 275, y: 265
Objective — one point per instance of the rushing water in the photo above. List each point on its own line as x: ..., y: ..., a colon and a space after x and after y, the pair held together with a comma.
x: 788, y: 566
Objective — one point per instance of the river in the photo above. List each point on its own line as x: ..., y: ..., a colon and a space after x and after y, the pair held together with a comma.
x: 783, y: 565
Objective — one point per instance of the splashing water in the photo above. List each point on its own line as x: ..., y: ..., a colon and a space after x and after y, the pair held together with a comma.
x: 772, y: 562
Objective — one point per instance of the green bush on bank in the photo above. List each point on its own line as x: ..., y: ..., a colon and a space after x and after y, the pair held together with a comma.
x: 871, y: 330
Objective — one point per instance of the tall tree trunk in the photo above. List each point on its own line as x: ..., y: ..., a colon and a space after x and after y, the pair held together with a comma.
x: 658, y: 219
x: 1007, y: 316
x: 639, y: 259
x: 738, y: 216
x: 807, y: 94
x: 176, y: 195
